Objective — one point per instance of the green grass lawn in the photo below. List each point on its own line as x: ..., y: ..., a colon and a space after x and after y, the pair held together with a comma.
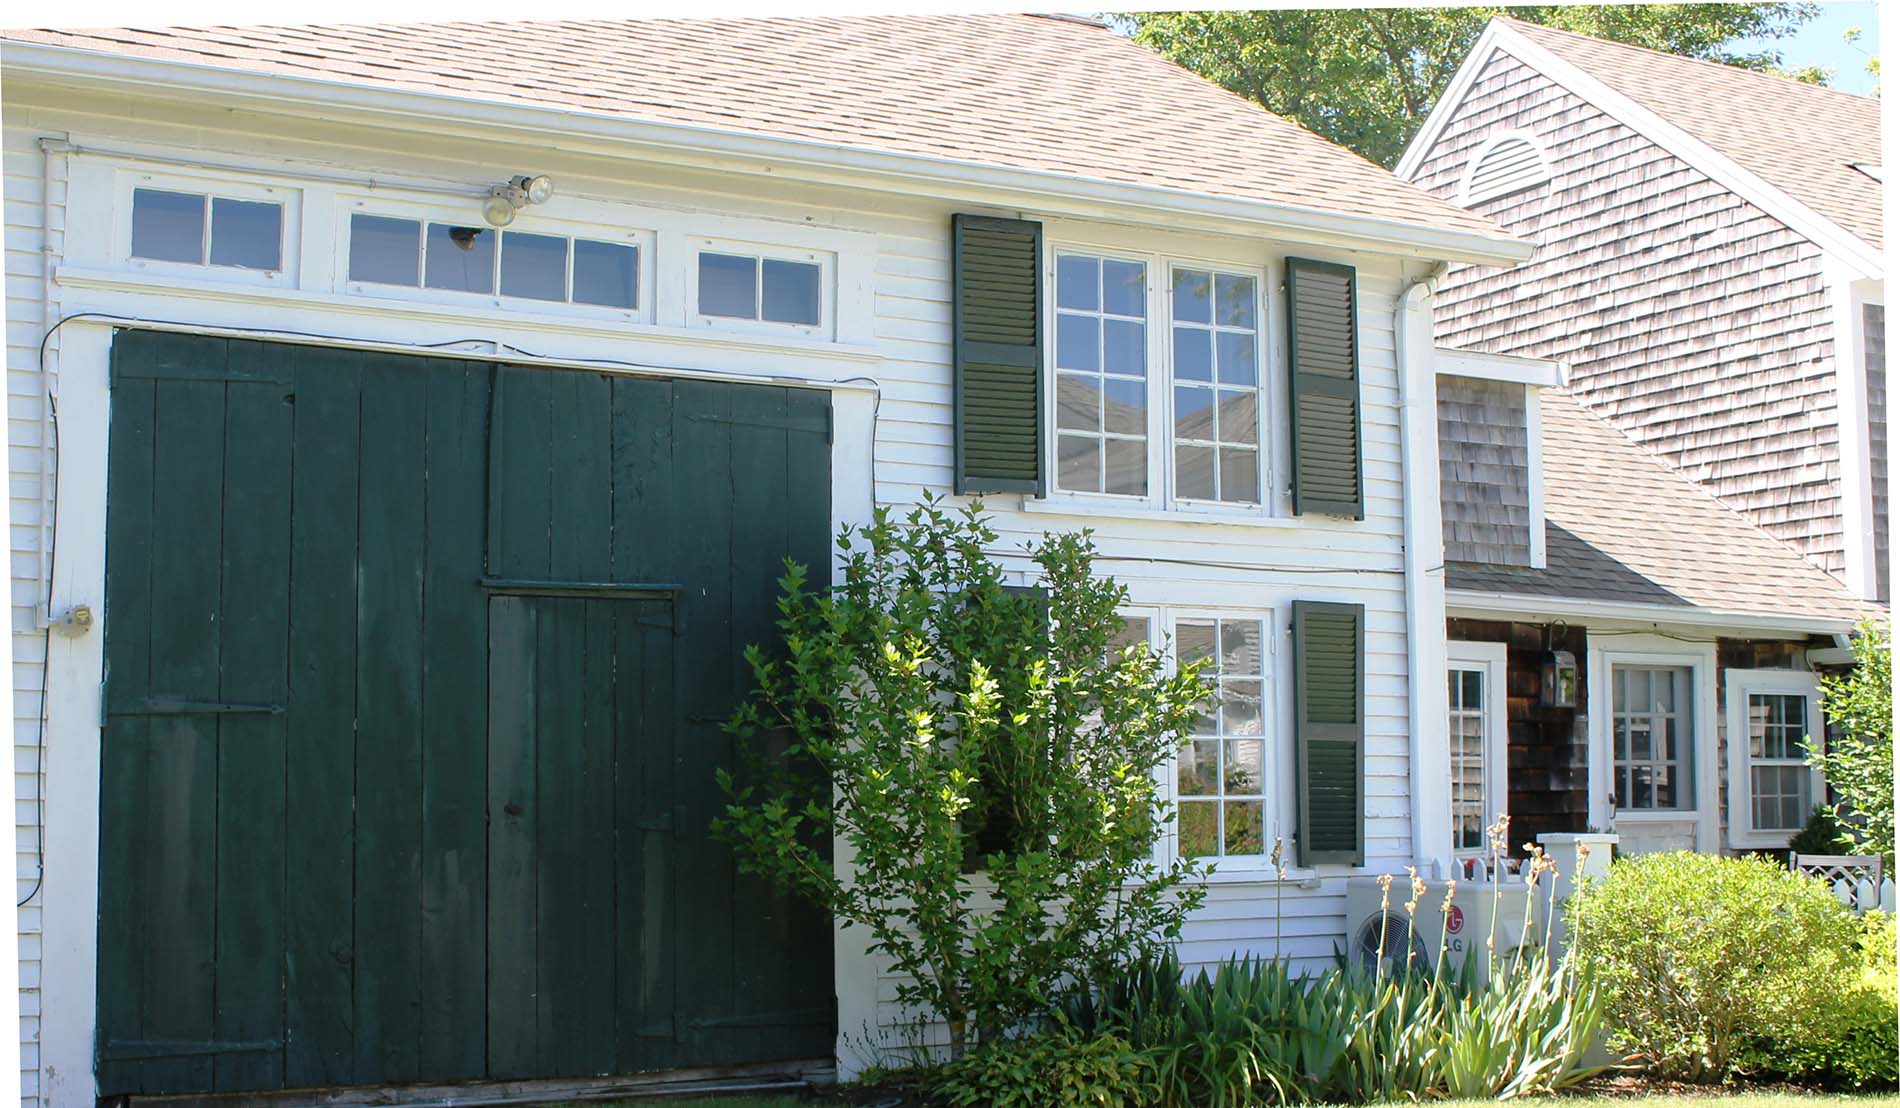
x: 1714, y: 1099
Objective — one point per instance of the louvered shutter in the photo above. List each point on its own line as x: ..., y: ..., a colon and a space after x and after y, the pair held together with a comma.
x: 1323, y: 353
x: 1329, y: 672
x: 997, y: 323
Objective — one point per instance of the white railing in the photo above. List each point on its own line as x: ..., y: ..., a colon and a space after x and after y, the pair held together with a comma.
x: 1865, y: 896
x: 1857, y: 880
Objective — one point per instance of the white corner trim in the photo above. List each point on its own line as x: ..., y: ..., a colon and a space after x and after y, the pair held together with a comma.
x: 1534, y: 457
x: 1737, y: 685
x: 1655, y: 650
x: 1845, y: 300
x: 1468, y: 192
x: 1511, y: 368
x: 1493, y: 659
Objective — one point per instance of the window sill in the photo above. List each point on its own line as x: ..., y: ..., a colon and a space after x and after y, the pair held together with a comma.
x: 1084, y: 509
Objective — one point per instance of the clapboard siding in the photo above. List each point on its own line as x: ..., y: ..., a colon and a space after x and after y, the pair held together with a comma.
x: 1484, y: 471
x: 1689, y: 318
x: 1164, y: 561
x: 1874, y: 357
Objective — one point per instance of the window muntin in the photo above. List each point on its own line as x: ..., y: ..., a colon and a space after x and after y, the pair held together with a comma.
x: 1220, y: 778
x: 1467, y: 723
x: 1778, y: 774
x: 1101, y: 375
x: 197, y: 228
x: 1649, y: 728
x: 1216, y: 372
x: 524, y: 265
x: 767, y: 290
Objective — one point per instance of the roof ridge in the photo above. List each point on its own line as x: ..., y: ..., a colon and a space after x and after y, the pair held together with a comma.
x: 1778, y: 79
x: 1696, y: 488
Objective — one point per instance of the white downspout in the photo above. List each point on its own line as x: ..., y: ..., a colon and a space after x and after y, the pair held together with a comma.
x: 1424, y: 576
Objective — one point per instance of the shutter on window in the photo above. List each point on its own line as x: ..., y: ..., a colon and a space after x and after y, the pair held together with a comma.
x: 996, y: 275
x: 1323, y: 343
x: 1329, y: 671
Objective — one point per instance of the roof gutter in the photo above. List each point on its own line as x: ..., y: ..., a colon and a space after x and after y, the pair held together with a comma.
x: 1539, y: 609
x: 585, y: 132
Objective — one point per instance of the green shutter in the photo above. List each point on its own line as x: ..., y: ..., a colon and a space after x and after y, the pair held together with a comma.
x: 1323, y: 353
x: 996, y: 275
x: 1329, y: 671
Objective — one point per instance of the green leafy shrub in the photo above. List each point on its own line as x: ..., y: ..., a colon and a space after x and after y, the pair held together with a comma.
x: 1824, y: 833
x: 1858, y: 760
x: 936, y: 721
x: 1852, y: 1041
x: 1049, y: 1069
x: 1700, y: 955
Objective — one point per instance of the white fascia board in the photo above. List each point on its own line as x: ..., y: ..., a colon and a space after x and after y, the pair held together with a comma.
x: 1541, y: 373
x: 1830, y: 236
x: 1585, y: 613
x: 779, y: 157
x: 1448, y: 102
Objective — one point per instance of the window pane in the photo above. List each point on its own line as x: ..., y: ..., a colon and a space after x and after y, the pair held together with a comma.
x: 1235, y: 297
x: 1236, y: 358
x: 1194, y: 414
x: 1078, y: 342
x: 1198, y: 768
x: 533, y: 267
x: 1078, y: 402
x: 1193, y: 354
x: 460, y: 259
x: 1239, y: 417
x: 1473, y: 680
x: 1127, y: 406
x: 247, y: 233
x: 1240, y: 646
x: 792, y: 293
x: 168, y: 226
x: 1241, y: 767
x: 1193, y: 640
x: 1125, y: 288
x: 1199, y: 828
x: 1193, y: 298
x: 1240, y: 708
x: 1134, y: 632
x: 1079, y: 463
x: 606, y: 273
x: 1241, y: 833
x: 1127, y: 467
x: 1078, y: 281
x: 1239, y: 475
x: 1124, y: 347
x: 385, y: 251
x: 1194, y: 472
x: 728, y: 286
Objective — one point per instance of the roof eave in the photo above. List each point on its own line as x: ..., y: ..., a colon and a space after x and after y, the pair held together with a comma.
x: 1543, y: 608
x: 806, y: 159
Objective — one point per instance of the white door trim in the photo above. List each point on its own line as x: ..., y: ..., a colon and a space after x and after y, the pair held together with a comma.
x: 1491, y: 658
x: 1705, y: 778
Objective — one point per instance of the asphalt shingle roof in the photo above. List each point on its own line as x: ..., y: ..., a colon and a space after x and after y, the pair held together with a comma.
x: 1803, y: 139
x: 1623, y: 527
x: 1019, y: 91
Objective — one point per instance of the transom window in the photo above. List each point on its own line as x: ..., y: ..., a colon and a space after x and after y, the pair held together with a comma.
x: 769, y: 290
x: 1168, y: 414
x: 413, y: 253
x: 1220, y: 780
x: 1101, y: 375
x: 198, y: 228
x: 1469, y: 815
x: 1650, y: 736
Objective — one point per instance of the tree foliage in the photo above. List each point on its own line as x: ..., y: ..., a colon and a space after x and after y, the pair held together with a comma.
x: 1366, y: 77
x: 1857, y: 759
x: 938, y: 723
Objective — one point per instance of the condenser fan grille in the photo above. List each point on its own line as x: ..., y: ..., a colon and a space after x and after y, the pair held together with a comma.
x: 1387, y: 932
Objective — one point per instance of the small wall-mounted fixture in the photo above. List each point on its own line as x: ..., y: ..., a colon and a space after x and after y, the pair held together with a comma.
x: 1559, y: 688
x: 504, y: 200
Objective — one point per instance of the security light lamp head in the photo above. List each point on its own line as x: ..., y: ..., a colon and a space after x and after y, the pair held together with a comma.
x: 499, y: 208
x: 537, y: 189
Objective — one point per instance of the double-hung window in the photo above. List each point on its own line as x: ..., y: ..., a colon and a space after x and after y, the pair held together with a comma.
x: 1772, y: 789
x: 1158, y: 369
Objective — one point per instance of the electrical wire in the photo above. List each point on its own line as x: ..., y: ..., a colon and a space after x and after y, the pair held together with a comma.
x: 46, y: 662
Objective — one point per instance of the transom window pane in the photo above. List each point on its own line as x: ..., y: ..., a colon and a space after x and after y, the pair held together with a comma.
x: 738, y: 286
x: 197, y: 229
x: 1467, y: 735
x: 1101, y: 375
x: 460, y: 259
x: 1650, y: 736
x: 1778, y: 776
x: 1216, y: 387
x: 385, y: 251
x: 606, y: 273
x: 1220, y: 781
x: 534, y: 267
x: 789, y: 292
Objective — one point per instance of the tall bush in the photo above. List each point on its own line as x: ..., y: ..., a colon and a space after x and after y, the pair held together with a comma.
x: 1702, y: 954
x: 1858, y: 760
x: 936, y: 721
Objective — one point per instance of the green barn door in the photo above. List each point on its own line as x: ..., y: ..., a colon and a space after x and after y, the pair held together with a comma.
x: 415, y: 669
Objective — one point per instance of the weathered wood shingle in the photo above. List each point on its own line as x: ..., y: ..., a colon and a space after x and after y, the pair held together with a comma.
x: 1484, y: 472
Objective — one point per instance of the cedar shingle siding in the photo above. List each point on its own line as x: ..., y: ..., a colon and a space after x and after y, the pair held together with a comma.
x: 1484, y: 472
x: 1874, y: 320
x: 1687, y: 317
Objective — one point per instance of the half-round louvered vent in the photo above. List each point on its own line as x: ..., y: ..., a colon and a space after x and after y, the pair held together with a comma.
x: 1504, y: 165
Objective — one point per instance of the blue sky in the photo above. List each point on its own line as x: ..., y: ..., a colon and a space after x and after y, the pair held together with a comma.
x: 1818, y: 42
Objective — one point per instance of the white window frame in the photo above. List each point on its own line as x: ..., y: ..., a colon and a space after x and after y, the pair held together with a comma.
x: 1701, y: 820
x: 214, y: 185
x: 1491, y: 659
x: 825, y: 260
x: 1737, y: 686
x: 1160, y: 267
x: 466, y: 214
